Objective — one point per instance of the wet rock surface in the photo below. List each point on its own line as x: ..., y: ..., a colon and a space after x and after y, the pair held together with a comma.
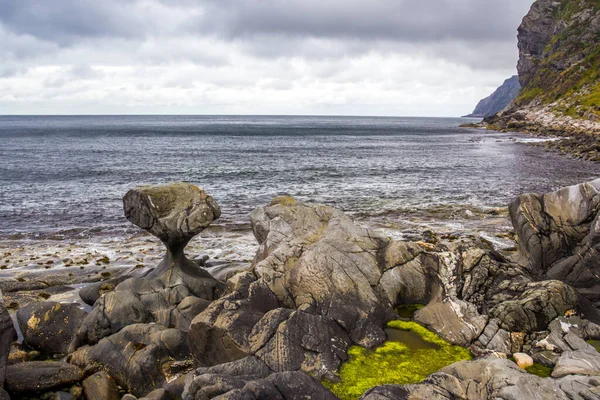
x: 40, y: 376
x: 559, y: 235
x: 50, y: 327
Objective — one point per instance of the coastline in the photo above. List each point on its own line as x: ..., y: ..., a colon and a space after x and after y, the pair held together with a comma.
x: 567, y: 138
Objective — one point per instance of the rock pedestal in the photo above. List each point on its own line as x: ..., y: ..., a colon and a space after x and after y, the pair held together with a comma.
x: 174, y: 213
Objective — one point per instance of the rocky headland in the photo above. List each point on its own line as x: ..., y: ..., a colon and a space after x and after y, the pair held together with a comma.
x: 326, y: 309
x: 498, y: 100
x: 559, y: 72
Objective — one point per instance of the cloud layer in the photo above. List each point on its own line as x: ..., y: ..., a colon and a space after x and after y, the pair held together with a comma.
x: 376, y: 57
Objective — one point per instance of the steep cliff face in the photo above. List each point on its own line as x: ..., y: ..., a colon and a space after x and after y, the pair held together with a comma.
x: 498, y: 100
x: 559, y: 67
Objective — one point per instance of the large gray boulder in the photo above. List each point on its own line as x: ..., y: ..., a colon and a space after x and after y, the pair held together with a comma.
x: 50, y: 327
x: 7, y: 336
x: 313, y: 258
x: 559, y: 235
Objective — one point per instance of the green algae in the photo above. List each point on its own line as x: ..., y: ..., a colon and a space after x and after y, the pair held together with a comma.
x: 595, y: 343
x: 395, y: 362
x: 539, y: 370
x: 408, y: 310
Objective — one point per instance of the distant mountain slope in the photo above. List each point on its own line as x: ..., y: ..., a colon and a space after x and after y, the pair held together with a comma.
x: 498, y: 100
x: 559, y: 68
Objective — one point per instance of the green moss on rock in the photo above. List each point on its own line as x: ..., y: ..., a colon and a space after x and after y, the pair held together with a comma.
x: 595, y: 343
x: 394, y: 362
x: 539, y: 370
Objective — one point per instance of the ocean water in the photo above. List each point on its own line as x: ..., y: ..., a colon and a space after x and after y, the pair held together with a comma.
x: 63, y: 177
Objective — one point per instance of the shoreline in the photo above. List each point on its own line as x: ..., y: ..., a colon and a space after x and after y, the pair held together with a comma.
x: 578, y: 145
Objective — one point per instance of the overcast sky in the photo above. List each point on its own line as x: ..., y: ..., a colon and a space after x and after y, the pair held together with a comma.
x: 335, y: 57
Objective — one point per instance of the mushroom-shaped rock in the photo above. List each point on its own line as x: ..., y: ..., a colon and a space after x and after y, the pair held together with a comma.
x: 178, y: 288
x: 174, y: 213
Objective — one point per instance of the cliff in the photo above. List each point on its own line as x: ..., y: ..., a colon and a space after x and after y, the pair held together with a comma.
x: 559, y: 69
x: 498, y: 100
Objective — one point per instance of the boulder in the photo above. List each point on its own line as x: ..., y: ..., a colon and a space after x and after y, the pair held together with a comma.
x: 40, y: 376
x: 7, y: 336
x: 523, y: 360
x: 50, y: 327
x: 577, y: 362
x: 314, y: 258
x: 139, y: 357
x: 559, y: 235
x: 100, y: 386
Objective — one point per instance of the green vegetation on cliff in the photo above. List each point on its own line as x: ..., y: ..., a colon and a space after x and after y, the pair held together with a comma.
x: 563, y: 67
x: 396, y: 361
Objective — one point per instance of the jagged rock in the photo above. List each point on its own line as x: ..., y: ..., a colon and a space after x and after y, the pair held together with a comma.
x: 238, y: 385
x: 410, y: 275
x: 485, y: 278
x: 50, y: 327
x: 140, y: 357
x: 559, y: 235
x: 177, y: 289
x: 100, y: 386
x: 40, y: 376
x: 209, y: 382
x: 493, y: 338
x: 221, y: 332
x: 294, y: 340
x: 7, y: 336
x: 315, y: 259
x: 536, y: 307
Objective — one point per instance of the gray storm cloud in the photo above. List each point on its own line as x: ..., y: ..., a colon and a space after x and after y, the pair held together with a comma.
x: 277, y: 45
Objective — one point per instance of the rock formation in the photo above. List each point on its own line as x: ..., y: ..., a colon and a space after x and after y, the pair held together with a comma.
x: 7, y: 335
x: 154, y: 311
x: 559, y: 235
x: 498, y: 100
x: 319, y: 284
x: 558, y: 69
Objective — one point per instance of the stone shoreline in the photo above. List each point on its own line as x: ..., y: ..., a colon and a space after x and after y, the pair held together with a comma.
x: 317, y: 285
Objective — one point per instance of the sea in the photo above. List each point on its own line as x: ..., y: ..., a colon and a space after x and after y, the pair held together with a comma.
x: 62, y: 178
